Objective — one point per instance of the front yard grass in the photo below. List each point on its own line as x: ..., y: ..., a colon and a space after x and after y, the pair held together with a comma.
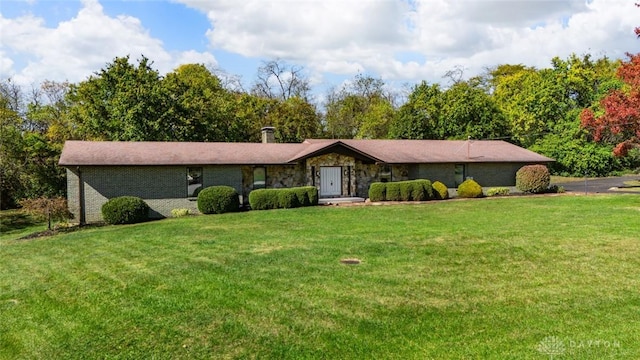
x: 519, y: 278
x: 15, y: 224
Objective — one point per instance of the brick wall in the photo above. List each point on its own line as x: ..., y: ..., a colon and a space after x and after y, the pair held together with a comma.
x: 434, y: 172
x: 486, y: 174
x: 494, y: 174
x: 162, y: 187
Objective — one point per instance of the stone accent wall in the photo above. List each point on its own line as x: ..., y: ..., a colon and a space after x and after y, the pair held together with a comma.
x: 348, y: 180
x: 370, y: 173
x: 283, y: 176
x: 278, y: 176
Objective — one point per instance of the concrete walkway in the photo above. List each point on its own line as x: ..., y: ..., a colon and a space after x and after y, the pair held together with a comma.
x: 343, y: 200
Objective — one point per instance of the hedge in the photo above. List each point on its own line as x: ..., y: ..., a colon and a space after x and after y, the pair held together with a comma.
x: 377, y: 191
x: 285, y: 198
x: 412, y: 190
x: 218, y: 200
x: 393, y: 191
x: 125, y: 210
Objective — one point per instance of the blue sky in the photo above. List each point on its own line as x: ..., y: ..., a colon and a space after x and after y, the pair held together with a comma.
x: 401, y: 41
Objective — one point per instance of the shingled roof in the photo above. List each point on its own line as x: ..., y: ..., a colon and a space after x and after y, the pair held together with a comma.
x: 76, y: 153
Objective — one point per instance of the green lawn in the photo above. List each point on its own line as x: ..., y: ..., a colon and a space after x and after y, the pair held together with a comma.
x: 15, y: 224
x: 500, y: 278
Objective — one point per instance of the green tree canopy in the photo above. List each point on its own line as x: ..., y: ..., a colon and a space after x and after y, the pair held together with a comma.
x: 123, y: 101
x: 420, y: 116
x: 362, y: 109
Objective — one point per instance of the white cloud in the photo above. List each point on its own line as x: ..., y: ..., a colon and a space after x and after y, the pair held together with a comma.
x: 333, y: 37
x: 346, y: 37
x: 76, y: 48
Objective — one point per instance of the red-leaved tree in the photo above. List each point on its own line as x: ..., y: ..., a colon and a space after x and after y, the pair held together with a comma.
x: 620, y: 121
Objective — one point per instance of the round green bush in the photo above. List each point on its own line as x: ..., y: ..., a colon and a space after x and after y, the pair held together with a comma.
x: 440, y: 191
x: 218, y: 200
x: 533, y: 179
x: 125, y: 210
x: 469, y: 189
x: 377, y: 191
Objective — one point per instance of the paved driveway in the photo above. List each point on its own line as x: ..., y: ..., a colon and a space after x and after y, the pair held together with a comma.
x: 598, y: 185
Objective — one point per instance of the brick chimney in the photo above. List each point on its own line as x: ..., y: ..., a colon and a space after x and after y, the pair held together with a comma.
x: 268, y: 135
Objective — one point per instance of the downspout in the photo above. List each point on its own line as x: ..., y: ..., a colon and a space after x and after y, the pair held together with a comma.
x: 81, y: 197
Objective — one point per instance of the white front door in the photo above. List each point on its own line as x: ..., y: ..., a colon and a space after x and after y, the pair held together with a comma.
x: 330, y: 181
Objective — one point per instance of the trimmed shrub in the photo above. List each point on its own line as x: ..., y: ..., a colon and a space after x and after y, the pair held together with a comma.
x: 421, y: 190
x: 125, y: 210
x: 312, y: 194
x: 180, y: 212
x: 287, y: 199
x: 498, y: 191
x: 302, y: 195
x: 393, y: 191
x: 265, y: 199
x: 440, y: 190
x: 411, y: 190
x: 533, y: 179
x: 377, y: 191
x: 469, y: 189
x: 406, y: 190
x: 218, y: 200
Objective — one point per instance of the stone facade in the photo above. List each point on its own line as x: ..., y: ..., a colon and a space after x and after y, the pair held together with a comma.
x: 347, y: 165
x: 277, y: 176
x: 370, y: 173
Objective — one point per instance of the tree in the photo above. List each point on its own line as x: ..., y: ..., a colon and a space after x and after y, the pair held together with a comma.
x: 294, y: 120
x: 532, y: 102
x: 617, y: 119
x: 468, y: 111
x: 361, y: 109
x: 198, y: 107
x: 420, y: 116
x: 10, y: 149
x: 278, y: 80
x: 48, y: 112
x: 48, y: 208
x: 28, y: 156
x: 121, y: 102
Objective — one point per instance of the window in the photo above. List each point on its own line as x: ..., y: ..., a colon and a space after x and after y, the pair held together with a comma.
x: 259, y: 178
x: 194, y: 181
x: 385, y: 173
x: 459, y: 174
